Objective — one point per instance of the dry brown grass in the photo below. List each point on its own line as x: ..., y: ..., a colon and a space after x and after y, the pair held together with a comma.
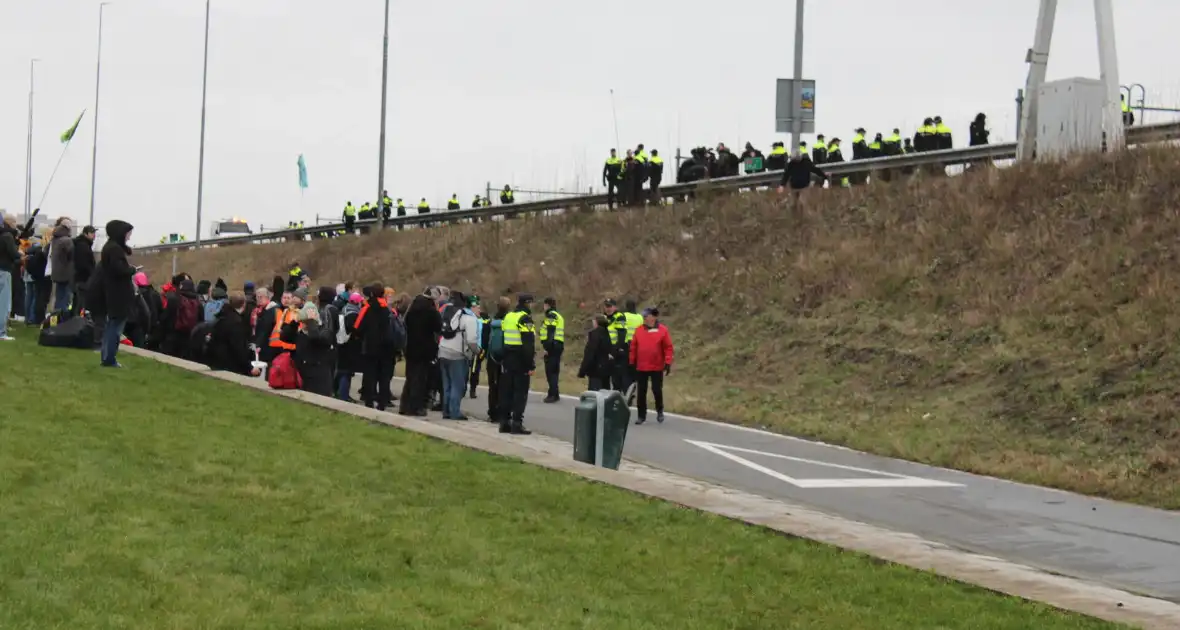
x: 1019, y: 323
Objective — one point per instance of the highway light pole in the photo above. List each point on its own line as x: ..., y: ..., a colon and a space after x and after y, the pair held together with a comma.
x: 797, y: 97
x: 204, y: 93
x: 29, y: 147
x: 97, y: 87
x: 381, y: 142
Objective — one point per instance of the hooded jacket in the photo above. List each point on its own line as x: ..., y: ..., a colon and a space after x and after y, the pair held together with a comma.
x: 61, y: 254
x: 116, y: 292
x: 229, y: 347
x: 83, y: 260
x: 596, y: 358
x: 9, y: 253
x: 423, y: 327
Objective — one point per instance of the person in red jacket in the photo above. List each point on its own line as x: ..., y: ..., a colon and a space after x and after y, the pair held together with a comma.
x: 651, y: 356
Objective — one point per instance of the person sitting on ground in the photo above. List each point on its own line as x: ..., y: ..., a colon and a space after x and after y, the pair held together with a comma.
x: 597, y: 364
x: 651, y: 355
x: 229, y: 345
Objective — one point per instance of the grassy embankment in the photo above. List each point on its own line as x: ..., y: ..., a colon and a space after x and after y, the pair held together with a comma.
x: 1018, y: 323
x: 155, y: 498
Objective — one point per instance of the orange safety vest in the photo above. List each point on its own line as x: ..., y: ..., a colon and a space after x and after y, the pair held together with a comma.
x: 282, y: 318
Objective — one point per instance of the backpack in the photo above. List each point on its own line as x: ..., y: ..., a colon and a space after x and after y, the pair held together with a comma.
x: 282, y: 373
x: 186, y: 314
x: 75, y: 332
x: 448, y: 316
x: 397, y: 332
x: 341, y: 333
x: 496, y: 341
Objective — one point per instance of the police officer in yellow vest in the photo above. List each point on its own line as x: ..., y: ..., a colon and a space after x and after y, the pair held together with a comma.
x: 366, y: 211
x: 617, y: 328
x: 349, y: 216
x: 477, y: 202
x: 453, y: 203
x: 819, y: 151
x: 612, y: 177
x: 506, y: 197
x: 655, y: 175
x: 632, y: 321
x: 553, y: 342
x: 386, y: 205
x: 401, y: 207
x: 520, y: 361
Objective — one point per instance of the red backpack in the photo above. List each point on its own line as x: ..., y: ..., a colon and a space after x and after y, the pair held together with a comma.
x: 186, y: 314
x: 283, y: 374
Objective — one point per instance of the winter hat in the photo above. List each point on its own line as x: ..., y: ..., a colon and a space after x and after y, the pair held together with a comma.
x: 140, y: 279
x: 248, y: 288
x: 326, y: 295
x: 301, y: 293
x: 356, y: 298
x: 651, y: 310
x: 186, y: 285
x: 203, y: 287
x: 220, y: 284
x: 219, y: 293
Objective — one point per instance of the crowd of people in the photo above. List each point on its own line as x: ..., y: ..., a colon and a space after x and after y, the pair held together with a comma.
x: 320, y: 341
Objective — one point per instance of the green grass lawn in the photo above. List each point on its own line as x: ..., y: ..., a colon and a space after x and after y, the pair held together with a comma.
x: 155, y: 498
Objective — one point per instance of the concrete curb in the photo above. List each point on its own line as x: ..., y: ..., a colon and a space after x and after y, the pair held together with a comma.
x: 907, y: 549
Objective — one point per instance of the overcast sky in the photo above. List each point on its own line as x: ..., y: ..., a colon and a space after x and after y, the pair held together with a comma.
x: 508, y: 92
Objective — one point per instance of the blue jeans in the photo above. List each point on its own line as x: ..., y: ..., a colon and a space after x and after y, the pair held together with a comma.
x: 110, y: 340
x: 30, y: 302
x: 5, y: 300
x: 62, y: 294
x: 454, y: 378
x: 344, y: 386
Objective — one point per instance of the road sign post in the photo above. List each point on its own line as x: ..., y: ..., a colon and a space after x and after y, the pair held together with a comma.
x: 794, y: 100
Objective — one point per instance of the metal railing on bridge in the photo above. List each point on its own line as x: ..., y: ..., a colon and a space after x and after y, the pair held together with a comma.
x: 1145, y: 134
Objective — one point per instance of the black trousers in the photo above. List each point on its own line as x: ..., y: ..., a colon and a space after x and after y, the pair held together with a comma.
x: 655, y: 191
x: 436, y: 390
x: 618, y: 376
x: 553, y: 368
x: 494, y: 372
x: 514, y: 391
x: 473, y: 378
x: 416, y: 390
x: 612, y: 191
x: 44, y: 289
x: 657, y: 390
x: 595, y: 384
x: 349, y: 224
x: 375, y: 382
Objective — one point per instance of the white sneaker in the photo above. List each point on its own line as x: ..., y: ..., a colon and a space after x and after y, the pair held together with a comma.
x: 18, y: 318
x: 7, y: 338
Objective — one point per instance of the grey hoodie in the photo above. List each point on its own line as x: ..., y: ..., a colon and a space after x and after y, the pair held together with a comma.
x: 61, y: 254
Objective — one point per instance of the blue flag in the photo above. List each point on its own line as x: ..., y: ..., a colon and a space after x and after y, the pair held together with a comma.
x: 302, y: 172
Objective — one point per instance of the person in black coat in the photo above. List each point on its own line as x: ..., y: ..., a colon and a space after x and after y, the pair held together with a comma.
x: 423, y: 328
x: 83, y: 266
x: 229, y: 345
x: 113, y: 294
x: 315, y: 341
x: 373, y: 326
x: 596, y: 359
x: 799, y: 171
x: 349, y: 360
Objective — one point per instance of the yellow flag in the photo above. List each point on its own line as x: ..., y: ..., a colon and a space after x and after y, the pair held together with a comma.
x: 68, y: 134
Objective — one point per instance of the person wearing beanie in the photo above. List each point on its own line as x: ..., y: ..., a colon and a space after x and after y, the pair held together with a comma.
x: 116, y: 293
x: 553, y: 342
x: 315, y: 355
x: 218, y: 296
x: 651, y: 356
x: 203, y: 288
x: 520, y: 362
x: 249, y: 291
x: 349, y: 360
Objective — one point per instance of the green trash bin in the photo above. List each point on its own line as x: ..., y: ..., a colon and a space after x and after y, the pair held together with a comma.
x: 600, y: 428
x: 585, y: 427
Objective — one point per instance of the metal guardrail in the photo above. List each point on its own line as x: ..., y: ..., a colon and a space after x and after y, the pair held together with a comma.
x: 1145, y: 134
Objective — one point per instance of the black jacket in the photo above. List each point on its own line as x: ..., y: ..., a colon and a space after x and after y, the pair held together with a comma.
x: 9, y: 252
x: 315, y: 343
x: 115, y: 272
x: 373, y: 329
x: 423, y: 327
x: 229, y: 346
x: 83, y: 260
x: 798, y: 173
x: 596, y: 359
x: 348, y: 356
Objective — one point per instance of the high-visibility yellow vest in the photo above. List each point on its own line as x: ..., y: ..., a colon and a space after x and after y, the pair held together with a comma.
x: 641, y: 156
x: 512, y: 327
x: 942, y: 130
x: 349, y: 211
x: 1126, y: 107
x: 858, y: 138
x: 386, y: 201
x: 633, y: 321
x: 874, y: 145
x: 895, y: 139
x: 778, y: 151
x: 555, y: 322
x: 507, y: 194
x: 618, y: 324
x: 657, y: 159
x: 423, y: 206
x: 613, y: 161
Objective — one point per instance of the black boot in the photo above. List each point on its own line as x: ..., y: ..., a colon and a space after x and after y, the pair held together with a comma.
x: 517, y: 429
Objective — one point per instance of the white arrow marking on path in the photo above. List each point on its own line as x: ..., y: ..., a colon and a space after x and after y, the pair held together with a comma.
x: 892, y: 480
